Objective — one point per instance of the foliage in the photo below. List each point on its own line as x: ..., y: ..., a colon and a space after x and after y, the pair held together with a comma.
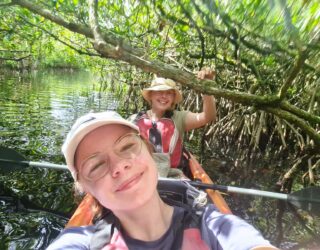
x: 27, y: 45
x: 37, y: 113
x: 265, y: 54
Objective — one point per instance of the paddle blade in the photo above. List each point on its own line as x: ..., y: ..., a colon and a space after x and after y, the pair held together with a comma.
x: 11, y: 160
x: 307, y: 199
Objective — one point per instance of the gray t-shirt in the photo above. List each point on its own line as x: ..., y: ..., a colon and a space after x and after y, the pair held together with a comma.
x: 179, y: 119
x: 218, y: 231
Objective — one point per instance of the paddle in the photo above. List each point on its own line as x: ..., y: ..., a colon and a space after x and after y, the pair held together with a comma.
x: 307, y: 199
x: 11, y: 160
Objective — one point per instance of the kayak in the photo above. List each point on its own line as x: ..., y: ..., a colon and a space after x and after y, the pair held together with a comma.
x: 198, y: 173
x: 83, y: 215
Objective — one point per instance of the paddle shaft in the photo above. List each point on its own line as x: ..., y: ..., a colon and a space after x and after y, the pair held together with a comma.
x: 238, y: 190
x: 305, y: 198
x: 193, y: 183
x: 36, y: 164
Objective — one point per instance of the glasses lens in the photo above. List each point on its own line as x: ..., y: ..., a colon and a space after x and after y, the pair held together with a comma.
x: 95, y: 167
x: 128, y: 146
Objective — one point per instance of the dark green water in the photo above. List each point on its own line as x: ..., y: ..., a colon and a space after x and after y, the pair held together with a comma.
x: 36, y: 112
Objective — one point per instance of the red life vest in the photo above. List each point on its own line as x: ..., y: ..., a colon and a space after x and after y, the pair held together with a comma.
x: 170, y: 136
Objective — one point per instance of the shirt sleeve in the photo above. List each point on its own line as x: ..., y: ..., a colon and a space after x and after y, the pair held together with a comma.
x: 179, y: 118
x: 225, y: 231
x: 73, y: 238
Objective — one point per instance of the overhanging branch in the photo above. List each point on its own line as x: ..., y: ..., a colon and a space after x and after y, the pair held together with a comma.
x: 14, y: 59
x: 112, y: 46
x: 81, y: 52
x: 77, y: 28
x: 313, y: 119
x: 293, y: 73
x: 296, y: 121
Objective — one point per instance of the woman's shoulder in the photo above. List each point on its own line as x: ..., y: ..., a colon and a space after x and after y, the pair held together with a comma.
x: 180, y: 112
x: 230, y: 231
x: 179, y: 118
x: 73, y: 238
x: 179, y: 115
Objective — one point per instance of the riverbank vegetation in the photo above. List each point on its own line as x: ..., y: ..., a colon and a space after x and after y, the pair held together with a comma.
x: 266, y: 54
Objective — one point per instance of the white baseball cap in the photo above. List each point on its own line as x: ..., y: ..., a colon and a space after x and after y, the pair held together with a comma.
x: 84, y: 125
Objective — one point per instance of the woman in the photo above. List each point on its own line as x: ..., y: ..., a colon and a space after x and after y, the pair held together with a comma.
x: 164, y: 127
x: 109, y: 160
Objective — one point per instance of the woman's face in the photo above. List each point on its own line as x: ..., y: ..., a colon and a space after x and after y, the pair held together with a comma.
x: 162, y: 100
x: 114, y: 170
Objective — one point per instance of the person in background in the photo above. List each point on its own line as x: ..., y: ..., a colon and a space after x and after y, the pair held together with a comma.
x: 109, y: 160
x: 164, y: 126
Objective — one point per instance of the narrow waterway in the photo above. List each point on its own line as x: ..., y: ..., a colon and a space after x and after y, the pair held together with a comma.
x: 37, y: 110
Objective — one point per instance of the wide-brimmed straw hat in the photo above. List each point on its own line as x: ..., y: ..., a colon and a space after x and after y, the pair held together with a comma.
x: 161, y: 84
x: 83, y: 126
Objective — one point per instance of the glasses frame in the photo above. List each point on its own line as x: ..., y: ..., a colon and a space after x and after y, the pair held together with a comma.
x: 78, y: 173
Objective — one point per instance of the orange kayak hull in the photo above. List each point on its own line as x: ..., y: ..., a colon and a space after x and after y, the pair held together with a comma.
x: 215, y: 196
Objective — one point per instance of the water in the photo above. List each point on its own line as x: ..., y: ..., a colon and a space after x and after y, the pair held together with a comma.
x: 52, y: 99
x: 37, y: 110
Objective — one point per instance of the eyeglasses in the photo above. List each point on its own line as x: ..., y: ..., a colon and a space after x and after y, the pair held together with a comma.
x: 98, y: 165
x: 164, y: 92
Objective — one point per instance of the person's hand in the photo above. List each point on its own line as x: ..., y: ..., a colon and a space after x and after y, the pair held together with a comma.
x: 206, y: 73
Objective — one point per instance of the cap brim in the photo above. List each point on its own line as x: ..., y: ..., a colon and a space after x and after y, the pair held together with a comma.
x: 73, y: 143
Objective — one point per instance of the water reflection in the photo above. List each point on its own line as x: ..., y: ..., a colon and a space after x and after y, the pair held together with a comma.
x: 38, y: 109
x: 36, y: 112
